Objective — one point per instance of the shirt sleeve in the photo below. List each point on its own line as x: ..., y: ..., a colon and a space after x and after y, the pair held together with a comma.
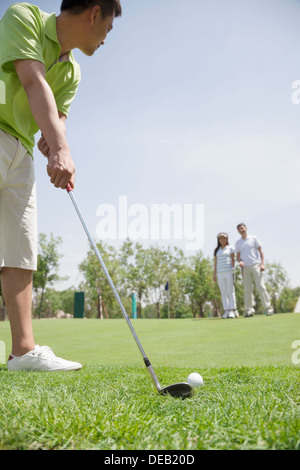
x: 65, y: 79
x: 65, y: 99
x: 19, y: 37
x: 63, y: 103
x: 257, y: 242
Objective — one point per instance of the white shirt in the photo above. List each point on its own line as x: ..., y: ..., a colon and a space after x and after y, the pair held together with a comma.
x: 248, y: 249
x: 224, y: 258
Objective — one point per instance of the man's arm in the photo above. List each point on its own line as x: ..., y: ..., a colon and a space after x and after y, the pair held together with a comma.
x: 60, y: 166
x: 262, y: 264
x: 42, y: 144
x: 238, y: 257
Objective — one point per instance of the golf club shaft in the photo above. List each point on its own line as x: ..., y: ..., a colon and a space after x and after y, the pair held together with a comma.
x: 107, y: 275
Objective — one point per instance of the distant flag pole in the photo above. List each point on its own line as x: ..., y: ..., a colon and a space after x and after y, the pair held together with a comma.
x: 167, y: 288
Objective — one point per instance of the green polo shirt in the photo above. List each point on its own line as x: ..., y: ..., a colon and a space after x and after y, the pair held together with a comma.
x: 26, y: 32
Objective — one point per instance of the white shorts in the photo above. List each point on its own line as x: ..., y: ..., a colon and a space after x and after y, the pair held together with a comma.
x: 18, y: 213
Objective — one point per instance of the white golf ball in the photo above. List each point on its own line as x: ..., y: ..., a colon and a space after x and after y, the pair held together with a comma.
x: 195, y: 380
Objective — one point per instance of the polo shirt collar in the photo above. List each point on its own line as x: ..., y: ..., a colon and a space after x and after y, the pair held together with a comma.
x: 50, y: 27
x: 51, y: 32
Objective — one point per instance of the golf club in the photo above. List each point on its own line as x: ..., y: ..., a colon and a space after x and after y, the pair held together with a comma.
x: 181, y: 389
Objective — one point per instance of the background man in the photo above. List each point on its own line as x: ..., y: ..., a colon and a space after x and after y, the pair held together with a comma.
x: 251, y: 259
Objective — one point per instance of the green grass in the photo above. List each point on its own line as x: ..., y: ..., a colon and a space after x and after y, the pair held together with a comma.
x: 250, y: 398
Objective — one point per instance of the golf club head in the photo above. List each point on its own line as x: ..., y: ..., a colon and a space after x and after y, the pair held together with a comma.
x: 179, y: 390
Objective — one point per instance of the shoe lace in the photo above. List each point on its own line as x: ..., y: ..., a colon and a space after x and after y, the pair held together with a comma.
x: 44, y: 351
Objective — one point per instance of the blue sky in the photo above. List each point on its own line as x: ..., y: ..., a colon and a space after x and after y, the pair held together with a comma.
x: 188, y: 103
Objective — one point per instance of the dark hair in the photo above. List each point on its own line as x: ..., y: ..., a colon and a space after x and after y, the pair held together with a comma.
x: 108, y: 7
x: 240, y: 225
x: 218, y: 246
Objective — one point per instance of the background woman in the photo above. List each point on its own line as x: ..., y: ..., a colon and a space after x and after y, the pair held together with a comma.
x: 223, y: 273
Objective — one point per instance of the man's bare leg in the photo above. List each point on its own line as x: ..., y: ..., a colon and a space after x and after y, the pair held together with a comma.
x: 17, y: 293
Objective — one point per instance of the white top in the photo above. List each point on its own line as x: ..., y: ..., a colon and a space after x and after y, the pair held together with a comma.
x: 224, y: 258
x: 248, y: 249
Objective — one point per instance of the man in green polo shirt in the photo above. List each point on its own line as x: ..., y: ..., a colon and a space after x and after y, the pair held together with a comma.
x: 38, y: 81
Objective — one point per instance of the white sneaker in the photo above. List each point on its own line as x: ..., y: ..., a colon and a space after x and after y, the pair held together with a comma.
x: 41, y: 358
x: 225, y: 314
x: 248, y: 314
x: 231, y: 314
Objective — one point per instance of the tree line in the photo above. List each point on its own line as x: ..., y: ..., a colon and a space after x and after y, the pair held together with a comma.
x: 167, y: 283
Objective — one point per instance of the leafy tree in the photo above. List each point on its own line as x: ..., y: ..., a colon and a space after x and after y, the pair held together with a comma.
x: 47, y: 266
x: 176, y: 300
x: 276, y: 281
x: 200, y: 286
x: 58, y: 300
x: 158, y: 265
x: 288, y: 299
x: 134, y: 271
x: 99, y: 294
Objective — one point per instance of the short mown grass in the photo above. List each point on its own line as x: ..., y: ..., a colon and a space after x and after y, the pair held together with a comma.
x: 252, y: 402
